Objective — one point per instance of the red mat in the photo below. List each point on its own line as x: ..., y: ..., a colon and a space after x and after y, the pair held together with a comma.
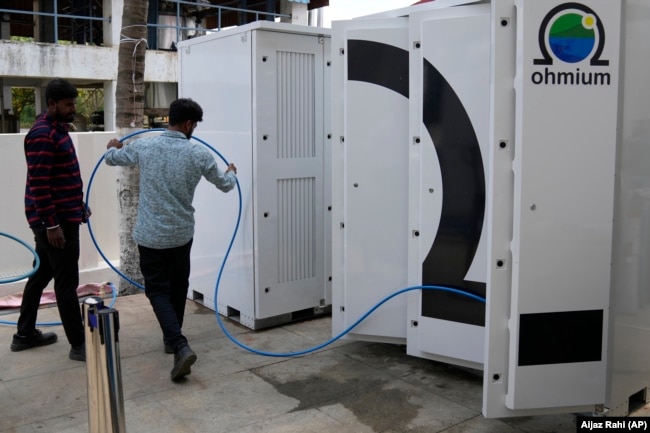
x: 48, y: 297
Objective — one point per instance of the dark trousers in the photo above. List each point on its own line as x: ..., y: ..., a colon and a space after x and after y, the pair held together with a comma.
x: 166, y: 275
x: 63, y: 266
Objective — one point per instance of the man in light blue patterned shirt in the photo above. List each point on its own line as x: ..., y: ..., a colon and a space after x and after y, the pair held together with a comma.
x: 170, y: 169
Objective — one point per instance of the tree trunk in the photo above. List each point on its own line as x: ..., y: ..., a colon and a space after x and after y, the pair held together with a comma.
x: 129, y: 117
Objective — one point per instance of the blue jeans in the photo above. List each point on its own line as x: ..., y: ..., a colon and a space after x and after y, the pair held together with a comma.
x: 166, y: 275
x: 63, y: 266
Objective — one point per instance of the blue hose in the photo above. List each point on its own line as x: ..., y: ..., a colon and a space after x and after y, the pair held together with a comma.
x: 223, y: 263
x: 37, y: 260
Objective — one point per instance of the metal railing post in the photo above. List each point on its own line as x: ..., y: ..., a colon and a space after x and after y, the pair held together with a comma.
x: 95, y: 392
x: 110, y: 325
x: 104, y: 376
x: 56, y: 22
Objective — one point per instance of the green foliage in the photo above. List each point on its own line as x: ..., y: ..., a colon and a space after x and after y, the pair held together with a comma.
x: 89, y: 101
x: 27, y: 116
x: 24, y: 101
x: 22, y: 38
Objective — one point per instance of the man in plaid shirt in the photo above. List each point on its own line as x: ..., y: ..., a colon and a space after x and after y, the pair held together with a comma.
x: 54, y: 209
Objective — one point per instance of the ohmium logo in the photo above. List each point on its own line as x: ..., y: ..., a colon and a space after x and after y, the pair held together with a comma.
x: 572, y: 37
x: 571, y: 33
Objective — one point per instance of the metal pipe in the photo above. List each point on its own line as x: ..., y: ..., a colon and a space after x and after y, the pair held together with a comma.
x: 2, y: 104
x: 52, y: 14
x: 109, y: 328
x: 104, y: 376
x: 90, y: 307
x: 56, y: 21
x: 178, y: 28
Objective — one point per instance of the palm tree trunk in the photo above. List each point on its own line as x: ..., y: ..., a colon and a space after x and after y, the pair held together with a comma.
x: 129, y: 117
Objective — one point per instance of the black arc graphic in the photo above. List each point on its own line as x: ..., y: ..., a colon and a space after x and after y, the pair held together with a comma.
x: 463, y: 177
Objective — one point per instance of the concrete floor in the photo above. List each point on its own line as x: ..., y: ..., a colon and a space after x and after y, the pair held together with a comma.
x: 353, y: 387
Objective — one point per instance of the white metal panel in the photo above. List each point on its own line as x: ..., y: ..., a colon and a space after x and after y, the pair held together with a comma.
x: 449, y: 106
x: 337, y: 171
x: 500, y: 254
x: 289, y: 202
x: 566, y: 115
x: 369, y: 176
x: 227, y: 127
x: 518, y: 390
x: 246, y: 104
x: 499, y: 207
x: 630, y: 343
x: 327, y: 170
x: 627, y: 345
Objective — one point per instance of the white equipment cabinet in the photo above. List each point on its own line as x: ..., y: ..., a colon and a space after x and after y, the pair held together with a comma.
x: 499, y: 149
x: 264, y: 90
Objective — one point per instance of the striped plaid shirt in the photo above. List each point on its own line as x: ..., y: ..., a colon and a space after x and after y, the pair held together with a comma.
x: 54, y: 189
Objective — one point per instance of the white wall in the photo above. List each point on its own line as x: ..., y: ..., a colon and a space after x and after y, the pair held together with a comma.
x: 103, y: 203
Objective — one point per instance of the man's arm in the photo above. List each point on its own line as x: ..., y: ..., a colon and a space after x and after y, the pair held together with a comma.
x: 119, y: 155
x: 225, y: 181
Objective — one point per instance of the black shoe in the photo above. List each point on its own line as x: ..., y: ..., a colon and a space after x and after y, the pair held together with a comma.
x: 183, y: 360
x: 78, y: 353
x: 22, y: 342
x: 168, y: 347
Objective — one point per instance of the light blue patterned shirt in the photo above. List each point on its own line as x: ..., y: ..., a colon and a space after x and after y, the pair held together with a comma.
x: 171, y: 167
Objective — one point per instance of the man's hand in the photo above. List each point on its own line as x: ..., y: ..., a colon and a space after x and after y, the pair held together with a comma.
x: 55, y: 237
x: 86, y: 213
x: 114, y: 143
x: 231, y: 167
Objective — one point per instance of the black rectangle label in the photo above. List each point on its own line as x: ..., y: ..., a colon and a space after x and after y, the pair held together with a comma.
x: 561, y: 337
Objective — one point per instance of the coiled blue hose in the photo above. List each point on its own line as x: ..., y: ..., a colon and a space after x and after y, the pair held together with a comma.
x: 223, y: 263
x: 37, y: 260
